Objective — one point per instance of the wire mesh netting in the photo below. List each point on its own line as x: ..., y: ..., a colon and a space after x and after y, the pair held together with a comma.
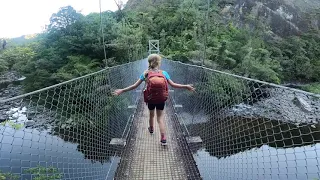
x: 64, y: 131
x: 145, y: 158
x: 247, y: 129
x: 235, y: 128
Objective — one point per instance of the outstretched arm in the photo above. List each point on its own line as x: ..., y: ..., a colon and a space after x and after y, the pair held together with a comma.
x: 129, y: 88
x: 176, y: 85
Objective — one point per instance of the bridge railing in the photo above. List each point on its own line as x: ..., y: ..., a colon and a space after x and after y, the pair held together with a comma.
x: 237, y: 128
x: 70, y: 130
x: 241, y: 128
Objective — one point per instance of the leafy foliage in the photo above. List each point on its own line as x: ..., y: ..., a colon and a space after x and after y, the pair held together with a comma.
x: 39, y: 173
x: 314, y: 88
x: 72, y: 45
x: 223, y: 90
x: 42, y: 173
x: 12, y: 124
x: 8, y: 176
x: 3, y: 65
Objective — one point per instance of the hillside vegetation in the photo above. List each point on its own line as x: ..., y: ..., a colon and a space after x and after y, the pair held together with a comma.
x: 234, y: 38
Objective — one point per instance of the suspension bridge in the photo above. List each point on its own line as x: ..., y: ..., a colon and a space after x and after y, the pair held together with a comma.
x: 232, y: 128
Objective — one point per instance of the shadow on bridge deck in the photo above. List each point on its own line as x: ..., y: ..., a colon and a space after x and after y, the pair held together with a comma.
x: 145, y: 158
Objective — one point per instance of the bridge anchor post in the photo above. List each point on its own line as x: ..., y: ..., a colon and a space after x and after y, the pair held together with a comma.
x: 154, y: 47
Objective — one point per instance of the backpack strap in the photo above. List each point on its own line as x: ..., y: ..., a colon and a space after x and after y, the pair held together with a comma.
x: 148, y: 73
x: 158, y: 72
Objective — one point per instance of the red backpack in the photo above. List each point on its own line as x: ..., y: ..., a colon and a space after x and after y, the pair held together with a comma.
x: 157, y: 88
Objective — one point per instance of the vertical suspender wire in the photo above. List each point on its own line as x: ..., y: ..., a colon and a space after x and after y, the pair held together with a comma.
x: 182, y: 18
x: 108, y: 75
x: 102, y: 33
x: 126, y: 31
x: 103, y: 42
x: 183, y: 15
x: 206, y: 34
x: 104, y: 45
x: 127, y: 42
x: 115, y: 153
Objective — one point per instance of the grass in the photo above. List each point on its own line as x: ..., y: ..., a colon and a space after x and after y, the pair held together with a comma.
x: 42, y: 173
x: 8, y: 176
x: 38, y: 173
x: 314, y: 88
x: 16, y: 126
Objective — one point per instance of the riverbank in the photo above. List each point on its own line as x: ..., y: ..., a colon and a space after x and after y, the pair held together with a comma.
x: 10, y: 86
x: 284, y: 105
x: 19, y: 111
x: 310, y: 87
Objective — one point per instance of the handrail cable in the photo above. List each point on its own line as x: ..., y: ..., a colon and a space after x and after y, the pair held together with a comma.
x: 104, y: 46
x: 206, y: 33
x: 126, y: 31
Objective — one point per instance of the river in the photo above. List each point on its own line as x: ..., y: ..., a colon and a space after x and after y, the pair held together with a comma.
x: 23, y: 148
x: 32, y: 135
x: 246, y: 148
x: 298, y: 163
x: 237, y: 145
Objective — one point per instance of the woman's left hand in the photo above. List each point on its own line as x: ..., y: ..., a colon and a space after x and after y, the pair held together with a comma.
x: 191, y: 88
x: 117, y: 92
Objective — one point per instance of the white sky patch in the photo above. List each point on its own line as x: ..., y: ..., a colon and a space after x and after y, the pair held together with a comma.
x: 22, y: 17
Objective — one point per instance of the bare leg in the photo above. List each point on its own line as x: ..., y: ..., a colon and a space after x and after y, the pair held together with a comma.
x: 160, y: 119
x: 151, y: 118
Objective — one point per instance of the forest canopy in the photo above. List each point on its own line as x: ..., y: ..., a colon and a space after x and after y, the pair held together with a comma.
x: 72, y: 44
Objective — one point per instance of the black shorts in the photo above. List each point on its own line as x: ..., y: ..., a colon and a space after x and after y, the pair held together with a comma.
x: 158, y: 106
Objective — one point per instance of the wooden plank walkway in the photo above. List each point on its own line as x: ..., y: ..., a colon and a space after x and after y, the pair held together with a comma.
x: 145, y: 158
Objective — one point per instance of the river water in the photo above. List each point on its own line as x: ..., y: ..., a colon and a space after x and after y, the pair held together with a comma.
x: 299, y: 163
x: 23, y: 148
x: 221, y: 156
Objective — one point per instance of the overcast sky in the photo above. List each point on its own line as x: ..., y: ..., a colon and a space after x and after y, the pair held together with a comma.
x: 20, y: 17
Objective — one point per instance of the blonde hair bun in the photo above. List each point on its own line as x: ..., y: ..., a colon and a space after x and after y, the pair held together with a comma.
x: 154, y: 61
